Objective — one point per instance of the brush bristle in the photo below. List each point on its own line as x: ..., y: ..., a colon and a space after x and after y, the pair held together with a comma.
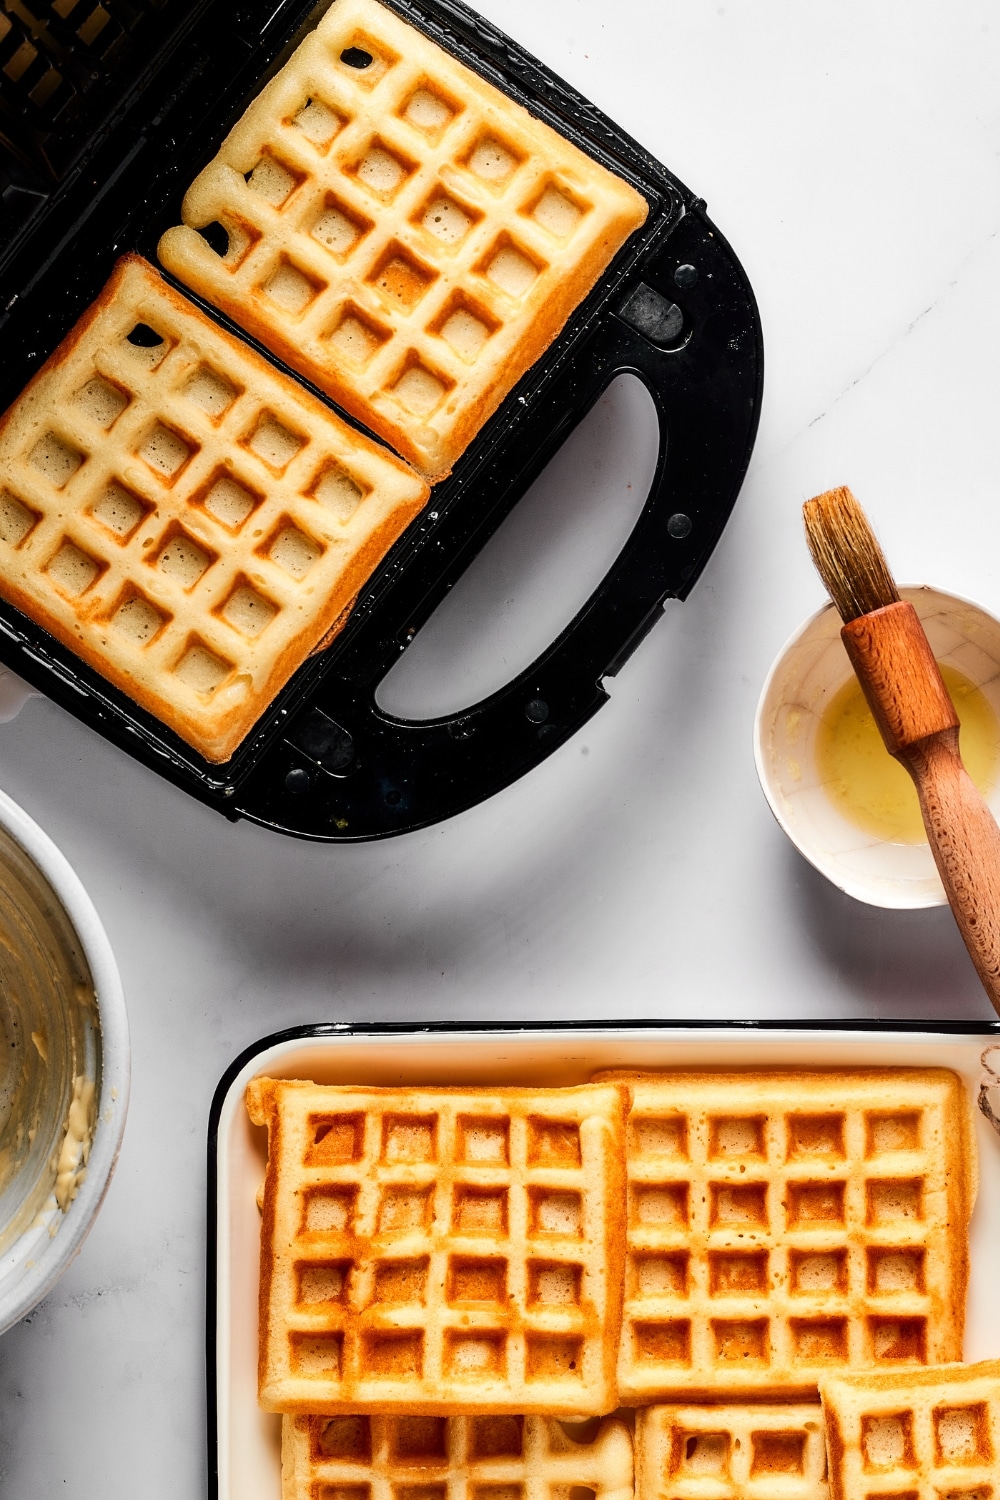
x: 847, y: 556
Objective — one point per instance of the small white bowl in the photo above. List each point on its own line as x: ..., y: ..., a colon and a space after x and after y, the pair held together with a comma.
x: 808, y: 671
x: 65, y: 1076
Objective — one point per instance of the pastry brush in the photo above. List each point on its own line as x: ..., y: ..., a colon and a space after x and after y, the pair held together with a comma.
x: 900, y: 678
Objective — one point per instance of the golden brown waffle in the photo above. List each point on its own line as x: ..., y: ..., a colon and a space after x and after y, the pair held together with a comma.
x: 452, y: 1458
x: 183, y: 516
x: 782, y: 1225
x: 402, y: 233
x: 918, y: 1435
x: 440, y: 1250
x: 730, y: 1453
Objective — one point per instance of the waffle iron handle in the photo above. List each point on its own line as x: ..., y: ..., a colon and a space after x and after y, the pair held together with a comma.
x: 686, y: 325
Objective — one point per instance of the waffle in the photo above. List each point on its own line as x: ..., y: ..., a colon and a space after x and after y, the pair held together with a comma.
x: 402, y: 233
x: 730, y: 1453
x: 182, y: 516
x: 782, y: 1225
x: 435, y: 1251
x: 919, y: 1435
x: 452, y: 1458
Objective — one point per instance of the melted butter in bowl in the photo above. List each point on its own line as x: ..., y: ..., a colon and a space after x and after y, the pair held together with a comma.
x: 63, y: 1063
x: 832, y: 786
x: 869, y: 786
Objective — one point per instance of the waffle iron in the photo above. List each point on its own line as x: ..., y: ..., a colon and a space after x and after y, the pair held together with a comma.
x: 107, y: 112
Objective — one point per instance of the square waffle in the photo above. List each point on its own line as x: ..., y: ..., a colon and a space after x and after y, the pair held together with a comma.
x: 919, y: 1435
x: 437, y: 1251
x: 782, y: 1225
x: 452, y: 1458
x: 730, y: 1453
x: 398, y: 230
x: 183, y: 516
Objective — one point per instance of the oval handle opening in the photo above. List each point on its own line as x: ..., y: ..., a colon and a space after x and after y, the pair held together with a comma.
x: 541, y: 566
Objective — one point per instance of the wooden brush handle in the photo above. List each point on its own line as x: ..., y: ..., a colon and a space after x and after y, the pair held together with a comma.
x: 966, y: 846
x: 896, y: 668
x: 965, y: 843
x: 901, y: 680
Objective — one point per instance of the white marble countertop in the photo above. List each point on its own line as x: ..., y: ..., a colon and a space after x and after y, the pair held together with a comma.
x: 849, y: 151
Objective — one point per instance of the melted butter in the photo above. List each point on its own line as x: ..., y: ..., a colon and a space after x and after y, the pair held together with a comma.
x: 872, y: 789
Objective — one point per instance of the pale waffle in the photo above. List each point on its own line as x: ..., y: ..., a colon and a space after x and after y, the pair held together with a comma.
x: 402, y: 233
x: 499, y: 1457
x: 182, y: 515
x: 440, y: 1251
x: 782, y: 1225
x: 919, y: 1435
x: 730, y: 1453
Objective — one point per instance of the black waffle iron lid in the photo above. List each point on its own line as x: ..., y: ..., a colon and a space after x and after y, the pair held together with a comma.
x: 106, y: 114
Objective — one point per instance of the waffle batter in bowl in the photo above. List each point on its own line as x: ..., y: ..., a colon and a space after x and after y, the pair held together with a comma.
x: 63, y: 1063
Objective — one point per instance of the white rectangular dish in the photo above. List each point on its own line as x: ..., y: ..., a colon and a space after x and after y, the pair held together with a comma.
x: 244, y: 1443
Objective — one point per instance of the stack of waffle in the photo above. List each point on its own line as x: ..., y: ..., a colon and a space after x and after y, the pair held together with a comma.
x: 452, y: 1281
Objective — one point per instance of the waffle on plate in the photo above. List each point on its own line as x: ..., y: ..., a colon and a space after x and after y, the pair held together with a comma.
x: 782, y: 1225
x: 440, y: 1251
x: 922, y: 1434
x: 730, y: 1453
x: 183, y: 516
x: 398, y: 230
x: 501, y: 1457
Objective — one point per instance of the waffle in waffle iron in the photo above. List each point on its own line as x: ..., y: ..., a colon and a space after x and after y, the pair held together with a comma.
x: 184, y: 516
x: 399, y: 231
